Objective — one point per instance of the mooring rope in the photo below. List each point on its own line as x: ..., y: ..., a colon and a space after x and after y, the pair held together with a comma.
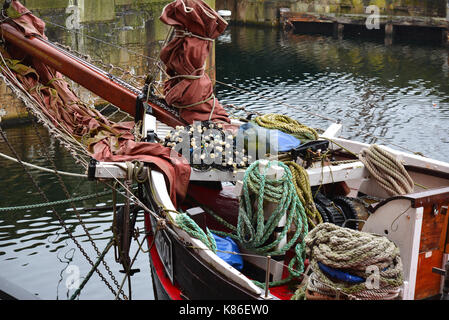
x: 287, y: 125
x: 355, y: 252
x: 387, y: 170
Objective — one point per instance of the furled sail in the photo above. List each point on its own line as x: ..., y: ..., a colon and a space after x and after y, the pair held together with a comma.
x: 189, y: 88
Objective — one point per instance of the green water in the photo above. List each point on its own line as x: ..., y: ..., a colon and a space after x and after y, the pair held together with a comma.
x: 399, y: 93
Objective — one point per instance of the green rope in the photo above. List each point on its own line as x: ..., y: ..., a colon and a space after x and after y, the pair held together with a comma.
x: 304, y: 191
x: 253, y: 232
x: 191, y: 227
x: 55, y: 203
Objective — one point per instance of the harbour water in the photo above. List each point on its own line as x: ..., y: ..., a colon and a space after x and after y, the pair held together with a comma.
x: 398, y: 93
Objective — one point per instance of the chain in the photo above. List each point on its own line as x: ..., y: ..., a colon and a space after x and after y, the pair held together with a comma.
x: 58, y: 216
x: 86, y: 230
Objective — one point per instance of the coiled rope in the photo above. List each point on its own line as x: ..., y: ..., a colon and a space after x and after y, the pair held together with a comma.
x: 304, y: 192
x: 287, y: 125
x: 191, y: 227
x: 357, y: 253
x: 387, y: 170
x: 253, y: 231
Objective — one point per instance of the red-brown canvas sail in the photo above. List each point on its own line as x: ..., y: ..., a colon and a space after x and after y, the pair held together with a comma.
x: 189, y: 88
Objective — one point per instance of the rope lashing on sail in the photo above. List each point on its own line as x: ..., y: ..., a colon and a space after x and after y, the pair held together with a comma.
x: 387, y: 170
x: 179, y: 33
x: 350, y: 263
x: 287, y: 125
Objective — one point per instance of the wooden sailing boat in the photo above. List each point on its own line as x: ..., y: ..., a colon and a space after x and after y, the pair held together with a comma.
x: 183, y: 265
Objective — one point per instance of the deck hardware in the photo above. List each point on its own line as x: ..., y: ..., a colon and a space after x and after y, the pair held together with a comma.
x: 445, y: 295
x: 435, y: 209
x: 443, y: 210
x: 337, y: 296
x: 445, y: 273
x: 151, y: 136
x: 267, y: 277
x: 2, y: 114
x: 6, y: 4
x: 91, y: 170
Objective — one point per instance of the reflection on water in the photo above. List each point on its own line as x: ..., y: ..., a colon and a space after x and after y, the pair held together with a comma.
x: 399, y: 93
x: 35, y: 252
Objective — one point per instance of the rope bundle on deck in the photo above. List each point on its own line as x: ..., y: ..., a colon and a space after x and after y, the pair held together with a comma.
x: 252, y: 229
x: 302, y: 185
x: 253, y: 232
x: 388, y: 171
x: 287, y: 125
x: 371, y: 265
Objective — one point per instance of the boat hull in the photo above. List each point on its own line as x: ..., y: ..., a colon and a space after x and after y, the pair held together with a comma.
x: 193, y: 279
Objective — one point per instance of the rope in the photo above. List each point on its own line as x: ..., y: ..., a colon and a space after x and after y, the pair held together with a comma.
x: 184, y: 33
x: 78, y: 175
x: 287, y: 125
x: 252, y: 230
x: 191, y: 227
x: 304, y: 191
x: 55, y: 203
x: 354, y: 252
x: 92, y: 270
x: 387, y: 170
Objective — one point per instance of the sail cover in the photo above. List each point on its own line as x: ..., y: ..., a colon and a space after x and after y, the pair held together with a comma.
x: 104, y: 140
x: 189, y: 88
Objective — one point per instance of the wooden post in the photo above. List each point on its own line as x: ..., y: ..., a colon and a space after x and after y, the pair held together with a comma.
x: 389, y: 33
x: 338, y: 30
x: 444, y: 35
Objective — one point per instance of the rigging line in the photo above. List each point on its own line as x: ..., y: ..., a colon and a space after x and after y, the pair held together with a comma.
x: 127, y: 276
x: 91, y: 65
x: 99, y: 40
x: 58, y: 216
x: 69, y: 174
x: 83, y: 225
x: 67, y: 134
x: 133, y: 198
